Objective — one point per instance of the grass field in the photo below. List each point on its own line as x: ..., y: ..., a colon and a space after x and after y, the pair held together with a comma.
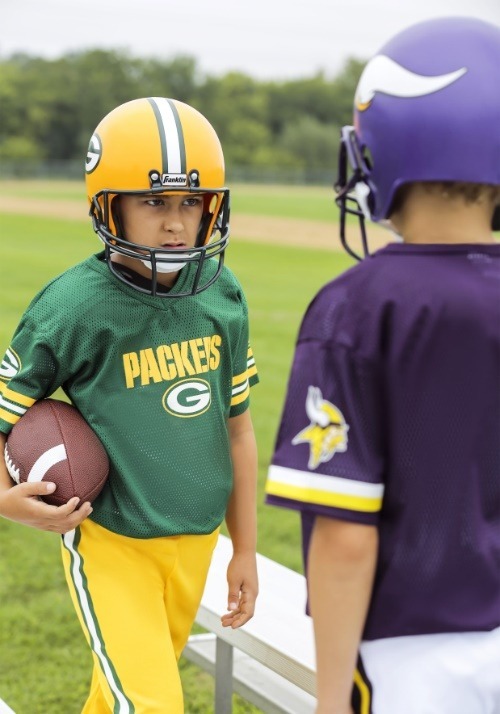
x: 311, y: 203
x: 44, y: 663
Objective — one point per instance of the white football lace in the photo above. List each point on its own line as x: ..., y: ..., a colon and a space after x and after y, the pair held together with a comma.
x: 11, y: 467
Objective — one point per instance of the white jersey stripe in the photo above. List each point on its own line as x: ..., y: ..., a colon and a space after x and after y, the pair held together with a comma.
x: 97, y: 645
x: 241, y: 388
x: 171, y: 135
x: 12, y: 407
x: 327, y: 484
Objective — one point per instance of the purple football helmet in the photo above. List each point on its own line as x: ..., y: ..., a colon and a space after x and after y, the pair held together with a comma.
x: 427, y: 108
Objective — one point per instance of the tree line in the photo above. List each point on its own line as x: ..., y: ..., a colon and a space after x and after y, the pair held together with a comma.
x: 49, y: 108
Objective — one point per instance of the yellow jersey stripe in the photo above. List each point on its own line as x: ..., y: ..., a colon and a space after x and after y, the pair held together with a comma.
x: 16, y: 396
x: 8, y: 417
x: 364, y: 692
x: 240, y: 397
x: 324, y: 498
x: 240, y: 378
x: 252, y: 371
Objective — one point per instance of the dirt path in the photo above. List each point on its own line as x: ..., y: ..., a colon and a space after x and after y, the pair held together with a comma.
x: 262, y: 229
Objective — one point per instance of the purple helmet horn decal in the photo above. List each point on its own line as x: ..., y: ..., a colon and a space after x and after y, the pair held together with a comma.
x: 426, y: 109
x: 382, y: 74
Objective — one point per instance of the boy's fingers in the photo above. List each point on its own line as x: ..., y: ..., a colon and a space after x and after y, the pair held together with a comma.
x: 232, y: 601
x: 37, y: 488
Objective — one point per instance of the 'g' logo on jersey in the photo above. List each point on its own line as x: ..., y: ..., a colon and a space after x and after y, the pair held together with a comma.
x: 94, y: 154
x: 327, y: 432
x: 188, y: 398
x: 10, y: 366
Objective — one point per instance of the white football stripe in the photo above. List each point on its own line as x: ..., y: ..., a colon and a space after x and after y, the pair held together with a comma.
x: 46, y: 461
x: 171, y: 135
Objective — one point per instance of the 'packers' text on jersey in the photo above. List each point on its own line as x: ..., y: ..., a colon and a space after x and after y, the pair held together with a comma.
x: 166, y: 362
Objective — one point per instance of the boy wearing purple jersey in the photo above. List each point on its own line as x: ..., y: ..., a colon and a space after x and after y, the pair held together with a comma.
x: 389, y: 439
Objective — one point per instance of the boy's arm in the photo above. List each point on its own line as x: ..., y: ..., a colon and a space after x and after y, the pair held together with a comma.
x: 241, y: 522
x: 341, y: 566
x: 20, y: 503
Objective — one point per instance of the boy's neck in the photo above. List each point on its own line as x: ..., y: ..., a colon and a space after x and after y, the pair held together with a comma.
x: 431, y: 217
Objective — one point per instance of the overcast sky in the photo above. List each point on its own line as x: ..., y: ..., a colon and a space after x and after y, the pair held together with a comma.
x: 268, y: 39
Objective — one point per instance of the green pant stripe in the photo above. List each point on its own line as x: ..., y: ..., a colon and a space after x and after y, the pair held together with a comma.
x: 122, y: 704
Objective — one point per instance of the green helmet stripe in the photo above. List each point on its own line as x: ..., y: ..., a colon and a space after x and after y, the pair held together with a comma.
x: 173, y: 149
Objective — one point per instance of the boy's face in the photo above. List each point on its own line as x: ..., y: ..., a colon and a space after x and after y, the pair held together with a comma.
x: 169, y: 221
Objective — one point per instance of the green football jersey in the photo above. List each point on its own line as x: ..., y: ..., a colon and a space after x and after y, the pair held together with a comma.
x: 156, y: 378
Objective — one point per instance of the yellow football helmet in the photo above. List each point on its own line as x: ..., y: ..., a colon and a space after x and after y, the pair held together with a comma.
x: 158, y: 145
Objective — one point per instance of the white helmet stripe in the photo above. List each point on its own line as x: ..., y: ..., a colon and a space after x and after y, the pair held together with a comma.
x: 383, y: 74
x: 172, y: 140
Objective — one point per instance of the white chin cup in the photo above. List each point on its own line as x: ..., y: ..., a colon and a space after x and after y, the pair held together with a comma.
x: 165, y: 267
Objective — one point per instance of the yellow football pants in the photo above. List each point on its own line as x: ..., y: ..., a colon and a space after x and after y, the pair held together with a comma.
x: 136, y: 600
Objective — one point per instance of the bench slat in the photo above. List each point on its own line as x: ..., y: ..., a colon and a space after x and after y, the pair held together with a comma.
x: 252, y: 680
x: 280, y: 635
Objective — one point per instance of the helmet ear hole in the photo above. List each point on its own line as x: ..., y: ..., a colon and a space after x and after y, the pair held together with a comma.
x: 367, y: 158
x: 203, y: 237
x: 116, y: 217
x: 209, y: 202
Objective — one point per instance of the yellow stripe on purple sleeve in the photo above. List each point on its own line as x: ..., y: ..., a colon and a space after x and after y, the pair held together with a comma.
x: 321, y: 490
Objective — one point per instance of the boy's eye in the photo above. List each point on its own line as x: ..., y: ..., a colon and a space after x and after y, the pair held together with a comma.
x: 193, y: 201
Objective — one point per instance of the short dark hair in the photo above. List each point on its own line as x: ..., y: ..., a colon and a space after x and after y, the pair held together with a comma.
x: 470, y: 192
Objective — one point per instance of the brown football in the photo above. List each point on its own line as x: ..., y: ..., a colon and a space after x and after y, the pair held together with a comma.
x: 53, y: 442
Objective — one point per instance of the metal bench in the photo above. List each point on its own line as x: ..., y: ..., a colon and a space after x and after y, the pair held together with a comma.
x: 270, y: 660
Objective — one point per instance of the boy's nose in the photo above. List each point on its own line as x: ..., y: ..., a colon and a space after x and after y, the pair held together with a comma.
x: 172, y: 222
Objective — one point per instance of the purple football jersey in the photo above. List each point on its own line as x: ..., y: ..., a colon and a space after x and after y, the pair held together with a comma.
x: 392, y: 418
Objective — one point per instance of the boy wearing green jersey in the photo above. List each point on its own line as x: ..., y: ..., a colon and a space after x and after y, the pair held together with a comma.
x: 149, y: 340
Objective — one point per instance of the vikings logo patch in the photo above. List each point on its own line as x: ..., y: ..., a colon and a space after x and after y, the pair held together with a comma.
x: 327, y: 432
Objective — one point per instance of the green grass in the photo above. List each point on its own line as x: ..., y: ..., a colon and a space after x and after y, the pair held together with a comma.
x: 70, y: 190
x: 311, y: 202
x: 302, y: 202
x: 40, y: 639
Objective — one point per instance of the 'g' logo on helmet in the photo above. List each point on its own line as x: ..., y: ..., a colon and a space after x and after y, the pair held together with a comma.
x: 188, y: 398
x: 94, y: 153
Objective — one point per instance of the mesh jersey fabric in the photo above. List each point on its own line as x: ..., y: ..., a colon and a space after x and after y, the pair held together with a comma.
x: 155, y: 378
x: 392, y: 418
